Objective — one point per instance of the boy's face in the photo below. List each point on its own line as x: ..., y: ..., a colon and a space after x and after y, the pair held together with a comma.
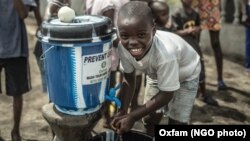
x: 161, y: 14
x: 136, y: 35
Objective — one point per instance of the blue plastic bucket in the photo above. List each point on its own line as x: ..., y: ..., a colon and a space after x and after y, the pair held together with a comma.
x: 77, y: 68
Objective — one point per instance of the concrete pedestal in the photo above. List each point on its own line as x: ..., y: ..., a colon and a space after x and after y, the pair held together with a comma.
x: 70, y: 127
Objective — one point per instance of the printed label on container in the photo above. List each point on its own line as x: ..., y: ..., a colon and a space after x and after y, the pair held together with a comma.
x: 96, y: 67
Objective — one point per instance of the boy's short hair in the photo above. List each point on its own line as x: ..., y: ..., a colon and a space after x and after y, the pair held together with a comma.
x: 152, y: 5
x: 136, y: 9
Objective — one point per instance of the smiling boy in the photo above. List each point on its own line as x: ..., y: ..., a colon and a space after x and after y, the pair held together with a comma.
x: 172, y: 66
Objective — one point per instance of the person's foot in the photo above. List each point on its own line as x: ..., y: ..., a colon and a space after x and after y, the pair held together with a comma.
x: 248, y: 73
x: 209, y: 100
x: 222, y: 86
x: 15, y: 136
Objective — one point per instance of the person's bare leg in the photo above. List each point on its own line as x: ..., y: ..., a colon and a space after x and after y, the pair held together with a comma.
x: 17, y: 112
x: 206, y: 97
x: 215, y: 42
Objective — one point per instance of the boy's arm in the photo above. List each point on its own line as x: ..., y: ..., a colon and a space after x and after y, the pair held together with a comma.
x: 127, y: 91
x: 37, y: 13
x: 161, y: 99
x: 195, y: 30
x: 21, y: 9
x: 189, y: 31
x: 167, y: 77
x: 124, y: 123
x: 183, y: 32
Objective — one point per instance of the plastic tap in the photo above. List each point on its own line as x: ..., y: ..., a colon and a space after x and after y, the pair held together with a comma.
x: 111, y: 96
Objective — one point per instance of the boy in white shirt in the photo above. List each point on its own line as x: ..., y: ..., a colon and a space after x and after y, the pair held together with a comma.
x: 172, y: 66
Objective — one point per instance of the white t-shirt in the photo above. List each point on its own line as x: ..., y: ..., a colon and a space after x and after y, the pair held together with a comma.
x: 170, y: 60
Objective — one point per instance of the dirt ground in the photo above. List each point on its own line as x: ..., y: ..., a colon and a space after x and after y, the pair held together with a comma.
x: 234, y: 104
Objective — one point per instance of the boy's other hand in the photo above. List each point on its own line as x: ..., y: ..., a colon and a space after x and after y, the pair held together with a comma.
x: 123, y: 123
x: 116, y: 118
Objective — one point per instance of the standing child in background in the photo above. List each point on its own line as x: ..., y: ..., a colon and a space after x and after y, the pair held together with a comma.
x: 187, y: 24
x: 38, y: 47
x: 165, y: 58
x: 209, y: 12
x: 14, y: 55
x: 160, y: 11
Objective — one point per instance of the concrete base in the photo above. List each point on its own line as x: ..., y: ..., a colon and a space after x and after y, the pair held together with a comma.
x: 69, y: 127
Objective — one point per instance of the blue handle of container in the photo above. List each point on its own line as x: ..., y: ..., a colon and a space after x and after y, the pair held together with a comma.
x: 112, y: 97
x: 42, y: 57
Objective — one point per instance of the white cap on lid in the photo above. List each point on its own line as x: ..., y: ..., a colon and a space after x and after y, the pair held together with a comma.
x: 66, y: 14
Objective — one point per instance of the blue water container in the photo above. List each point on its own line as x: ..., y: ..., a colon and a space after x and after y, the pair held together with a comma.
x: 77, y: 60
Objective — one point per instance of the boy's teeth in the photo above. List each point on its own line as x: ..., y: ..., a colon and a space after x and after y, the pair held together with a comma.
x: 136, y: 50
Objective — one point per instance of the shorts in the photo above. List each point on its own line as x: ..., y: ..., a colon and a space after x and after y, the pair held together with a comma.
x: 17, y: 75
x: 180, y: 106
